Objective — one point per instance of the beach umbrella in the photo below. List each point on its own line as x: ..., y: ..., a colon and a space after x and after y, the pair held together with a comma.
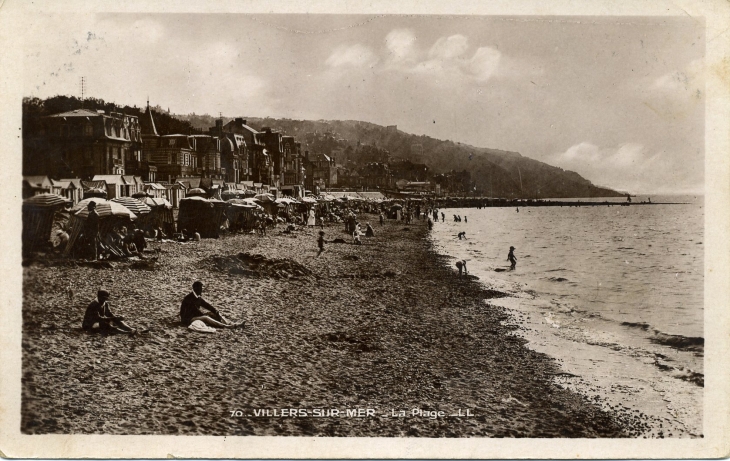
x: 134, y: 205
x: 244, y: 203
x: 264, y: 198
x: 46, y: 200
x: 308, y: 200
x: 154, y: 202
x: 104, y: 208
x: 197, y: 192
x: 95, y: 192
x: 140, y: 194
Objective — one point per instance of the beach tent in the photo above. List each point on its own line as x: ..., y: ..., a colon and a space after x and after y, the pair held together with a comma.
x: 95, y: 192
x: 229, y: 194
x: 241, y: 213
x: 201, y: 215
x: 197, y: 192
x: 38, y: 215
x: 160, y: 214
x: 111, y: 215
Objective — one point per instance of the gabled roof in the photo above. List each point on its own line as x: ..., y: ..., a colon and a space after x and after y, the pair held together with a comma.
x: 64, y: 184
x: 109, y: 178
x: 76, y: 182
x: 154, y: 185
x: 37, y: 181
x: 77, y: 113
x: 147, y: 124
x: 132, y: 180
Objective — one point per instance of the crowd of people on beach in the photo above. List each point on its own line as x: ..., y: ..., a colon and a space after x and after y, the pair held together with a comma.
x: 195, y: 312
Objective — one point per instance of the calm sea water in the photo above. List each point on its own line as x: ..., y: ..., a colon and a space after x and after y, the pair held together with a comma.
x: 621, y: 285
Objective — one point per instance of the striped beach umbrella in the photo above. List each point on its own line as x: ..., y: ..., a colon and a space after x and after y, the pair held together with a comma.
x: 134, y: 205
x: 46, y: 200
x: 154, y: 202
x: 104, y: 208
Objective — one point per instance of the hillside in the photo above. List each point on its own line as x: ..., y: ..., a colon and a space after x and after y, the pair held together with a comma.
x: 493, y: 172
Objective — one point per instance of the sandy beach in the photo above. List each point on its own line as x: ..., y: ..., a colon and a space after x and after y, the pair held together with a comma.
x: 383, y: 327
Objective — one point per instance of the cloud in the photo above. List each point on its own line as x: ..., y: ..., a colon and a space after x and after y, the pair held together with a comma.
x: 484, y: 63
x: 630, y: 167
x: 352, y: 56
x: 449, y: 48
x: 401, y: 44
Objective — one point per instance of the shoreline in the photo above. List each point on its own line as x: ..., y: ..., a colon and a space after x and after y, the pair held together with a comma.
x: 387, y: 326
x: 625, y: 367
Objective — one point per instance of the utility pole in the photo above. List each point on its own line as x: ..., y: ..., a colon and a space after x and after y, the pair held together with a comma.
x: 83, y: 85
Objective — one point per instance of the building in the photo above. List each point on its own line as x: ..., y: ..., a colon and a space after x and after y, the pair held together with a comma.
x: 141, y: 165
x: 207, y: 150
x: 34, y: 185
x: 233, y: 152
x: 274, y: 150
x: 83, y: 143
x: 256, y: 164
x: 321, y: 171
x: 376, y: 175
x: 292, y: 182
x: 69, y: 188
x: 121, y: 185
x: 174, y: 157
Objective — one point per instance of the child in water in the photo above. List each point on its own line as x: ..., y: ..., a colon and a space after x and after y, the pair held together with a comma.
x: 511, y: 258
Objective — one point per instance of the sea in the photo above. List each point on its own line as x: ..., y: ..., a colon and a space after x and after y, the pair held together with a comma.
x: 613, y: 293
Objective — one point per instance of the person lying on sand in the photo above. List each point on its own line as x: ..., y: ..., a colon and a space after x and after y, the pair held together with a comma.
x: 99, y: 313
x: 190, y: 310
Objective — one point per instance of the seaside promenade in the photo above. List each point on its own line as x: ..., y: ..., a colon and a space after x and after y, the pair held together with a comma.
x: 382, y: 328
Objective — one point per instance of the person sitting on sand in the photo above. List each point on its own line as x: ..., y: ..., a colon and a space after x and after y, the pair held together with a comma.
x: 190, y: 310
x: 99, y: 313
x: 196, y: 235
x: 511, y: 258
x: 356, y: 237
x: 369, y: 231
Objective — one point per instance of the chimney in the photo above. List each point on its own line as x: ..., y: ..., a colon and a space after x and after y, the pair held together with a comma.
x: 219, y: 126
x: 306, y: 155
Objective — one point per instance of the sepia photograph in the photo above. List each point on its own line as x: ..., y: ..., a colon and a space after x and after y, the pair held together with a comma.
x: 317, y: 225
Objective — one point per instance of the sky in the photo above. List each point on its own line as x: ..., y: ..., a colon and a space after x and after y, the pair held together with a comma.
x: 619, y: 101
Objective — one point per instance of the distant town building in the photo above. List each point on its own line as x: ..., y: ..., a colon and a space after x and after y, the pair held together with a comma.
x: 321, y: 171
x: 83, y: 143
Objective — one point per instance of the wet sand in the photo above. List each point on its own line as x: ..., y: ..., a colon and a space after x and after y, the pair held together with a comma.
x: 385, y: 326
